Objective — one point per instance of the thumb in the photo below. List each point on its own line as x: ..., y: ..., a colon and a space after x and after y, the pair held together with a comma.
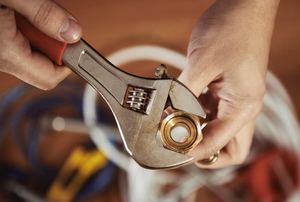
x: 198, y: 74
x: 48, y: 17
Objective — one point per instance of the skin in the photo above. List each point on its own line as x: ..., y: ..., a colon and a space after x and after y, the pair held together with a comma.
x: 16, y: 56
x: 227, y: 55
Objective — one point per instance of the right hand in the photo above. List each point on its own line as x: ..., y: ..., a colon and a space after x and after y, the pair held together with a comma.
x: 228, y: 53
x: 16, y: 56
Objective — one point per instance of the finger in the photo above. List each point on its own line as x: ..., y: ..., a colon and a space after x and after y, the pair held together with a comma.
x: 236, y: 151
x: 17, y: 58
x: 40, y: 72
x: 218, y: 132
x: 49, y: 17
x: 197, y: 77
x: 209, y: 101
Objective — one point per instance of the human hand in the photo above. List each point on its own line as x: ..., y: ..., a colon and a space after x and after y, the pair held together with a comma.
x: 228, y: 54
x: 16, y: 56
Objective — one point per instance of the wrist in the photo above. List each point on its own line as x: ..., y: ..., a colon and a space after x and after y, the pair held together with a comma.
x: 239, y: 19
x: 247, y: 8
x: 268, y: 3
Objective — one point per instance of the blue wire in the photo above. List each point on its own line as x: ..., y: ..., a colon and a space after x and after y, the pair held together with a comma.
x: 33, y: 135
x: 99, y: 182
x: 11, y: 96
x: 36, y: 108
x: 6, y: 101
x: 45, y: 171
x: 16, y: 93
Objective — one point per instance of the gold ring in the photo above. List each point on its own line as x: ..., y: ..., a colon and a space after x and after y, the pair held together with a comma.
x: 211, y: 160
x: 190, y: 123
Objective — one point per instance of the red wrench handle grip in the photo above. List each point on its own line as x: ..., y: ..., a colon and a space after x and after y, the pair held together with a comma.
x: 50, y: 47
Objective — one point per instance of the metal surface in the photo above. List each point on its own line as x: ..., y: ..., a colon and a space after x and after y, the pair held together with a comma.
x: 211, y: 160
x: 192, y: 125
x: 137, y: 104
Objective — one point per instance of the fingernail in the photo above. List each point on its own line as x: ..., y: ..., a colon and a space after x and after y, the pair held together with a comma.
x: 70, y: 31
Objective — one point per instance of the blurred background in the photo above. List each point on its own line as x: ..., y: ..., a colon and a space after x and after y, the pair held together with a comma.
x: 46, y: 153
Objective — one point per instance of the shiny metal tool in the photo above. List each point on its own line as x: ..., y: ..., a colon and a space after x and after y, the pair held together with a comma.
x: 138, y: 104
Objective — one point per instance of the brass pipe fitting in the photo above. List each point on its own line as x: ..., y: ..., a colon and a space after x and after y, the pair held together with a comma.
x: 190, y: 123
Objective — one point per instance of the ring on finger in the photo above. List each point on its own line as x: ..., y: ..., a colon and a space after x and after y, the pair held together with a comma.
x: 211, y: 160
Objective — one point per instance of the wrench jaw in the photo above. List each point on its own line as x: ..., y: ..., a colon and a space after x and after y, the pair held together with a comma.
x: 145, y: 145
x: 180, y: 95
x: 139, y: 131
x: 181, y: 127
x: 183, y: 99
x: 155, y: 157
x: 139, y: 123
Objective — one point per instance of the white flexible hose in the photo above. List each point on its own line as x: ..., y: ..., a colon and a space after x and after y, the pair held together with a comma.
x: 96, y: 133
x: 277, y: 118
x: 278, y: 122
x: 149, y: 53
x: 119, y: 58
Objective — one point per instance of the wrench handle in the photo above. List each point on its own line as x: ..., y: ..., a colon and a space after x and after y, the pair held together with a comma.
x: 50, y: 47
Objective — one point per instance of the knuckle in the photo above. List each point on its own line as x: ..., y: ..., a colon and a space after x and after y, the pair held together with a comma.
x: 6, y: 61
x: 7, y: 26
x: 13, y: 50
x: 239, y: 161
x: 53, y: 78
x: 252, y: 108
x: 3, y: 54
x: 44, y: 13
x: 5, y: 11
x: 259, y: 94
x: 49, y: 85
x: 6, y: 66
x: 239, y: 158
x: 251, y: 104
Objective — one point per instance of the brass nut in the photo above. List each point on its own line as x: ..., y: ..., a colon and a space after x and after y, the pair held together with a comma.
x: 190, y: 122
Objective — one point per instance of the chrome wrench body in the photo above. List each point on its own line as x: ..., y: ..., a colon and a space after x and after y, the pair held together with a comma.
x: 137, y: 103
x: 138, y: 122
